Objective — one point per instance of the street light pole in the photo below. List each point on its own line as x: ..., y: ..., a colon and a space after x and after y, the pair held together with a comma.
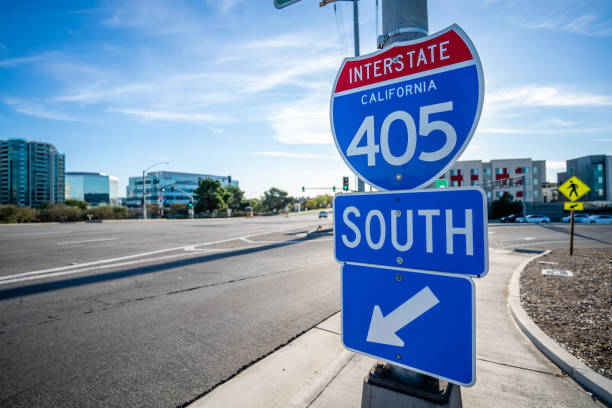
x: 144, y: 196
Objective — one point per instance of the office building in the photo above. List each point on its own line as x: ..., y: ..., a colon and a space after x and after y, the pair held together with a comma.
x: 501, y: 176
x: 31, y: 173
x: 184, y: 185
x: 595, y: 171
x: 93, y: 188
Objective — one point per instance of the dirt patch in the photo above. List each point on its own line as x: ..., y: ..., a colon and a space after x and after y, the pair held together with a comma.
x: 574, y: 311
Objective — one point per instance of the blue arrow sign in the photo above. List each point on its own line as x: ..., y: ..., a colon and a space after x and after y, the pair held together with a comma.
x: 420, y: 321
x: 403, y: 115
x: 442, y: 230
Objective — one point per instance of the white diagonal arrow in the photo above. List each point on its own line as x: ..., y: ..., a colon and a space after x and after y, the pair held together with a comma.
x: 382, y: 329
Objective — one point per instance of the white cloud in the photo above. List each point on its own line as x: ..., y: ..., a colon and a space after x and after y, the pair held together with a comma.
x: 589, y: 18
x: 294, y: 155
x: 546, y: 96
x: 304, y: 122
x: 530, y: 130
x: 9, y: 62
x: 38, y: 110
x: 152, y: 115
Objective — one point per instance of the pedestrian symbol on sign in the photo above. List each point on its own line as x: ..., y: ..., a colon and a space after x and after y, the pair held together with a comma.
x: 573, y: 188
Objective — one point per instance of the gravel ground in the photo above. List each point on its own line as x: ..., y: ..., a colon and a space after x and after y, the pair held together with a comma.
x: 574, y: 311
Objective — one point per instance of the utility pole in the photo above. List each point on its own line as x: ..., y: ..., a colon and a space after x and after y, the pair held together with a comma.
x: 404, y: 20
x: 360, y: 183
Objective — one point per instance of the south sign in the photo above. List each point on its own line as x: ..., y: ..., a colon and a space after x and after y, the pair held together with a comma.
x: 403, y: 115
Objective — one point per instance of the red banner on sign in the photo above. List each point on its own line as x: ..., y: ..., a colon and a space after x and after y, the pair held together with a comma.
x: 403, y: 60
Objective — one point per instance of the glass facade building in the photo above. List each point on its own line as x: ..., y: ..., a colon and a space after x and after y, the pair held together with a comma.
x: 93, y: 188
x: 155, y: 181
x: 31, y: 173
x: 595, y: 171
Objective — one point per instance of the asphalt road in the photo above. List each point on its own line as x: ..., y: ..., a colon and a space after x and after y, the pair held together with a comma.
x: 158, y: 313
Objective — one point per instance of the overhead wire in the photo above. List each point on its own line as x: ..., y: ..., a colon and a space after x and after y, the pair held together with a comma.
x: 340, y: 28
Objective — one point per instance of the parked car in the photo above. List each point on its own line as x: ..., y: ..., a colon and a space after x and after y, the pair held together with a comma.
x: 578, y: 217
x: 598, y: 219
x: 322, y: 214
x: 510, y: 218
x: 534, y: 219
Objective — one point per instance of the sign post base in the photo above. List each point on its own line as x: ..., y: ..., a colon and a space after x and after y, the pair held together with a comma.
x: 382, y: 389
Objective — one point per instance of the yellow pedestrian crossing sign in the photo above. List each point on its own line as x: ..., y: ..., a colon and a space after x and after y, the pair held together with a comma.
x: 574, y: 188
x: 573, y: 206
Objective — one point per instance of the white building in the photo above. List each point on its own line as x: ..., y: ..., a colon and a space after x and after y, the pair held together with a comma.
x: 501, y: 176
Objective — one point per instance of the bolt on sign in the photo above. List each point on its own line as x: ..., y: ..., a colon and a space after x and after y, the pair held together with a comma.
x: 573, y: 188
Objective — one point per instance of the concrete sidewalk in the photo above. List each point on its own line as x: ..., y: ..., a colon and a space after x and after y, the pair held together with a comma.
x: 316, y: 371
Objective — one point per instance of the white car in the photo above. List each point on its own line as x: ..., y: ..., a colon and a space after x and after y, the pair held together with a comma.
x: 534, y: 219
x: 578, y: 217
x: 598, y: 219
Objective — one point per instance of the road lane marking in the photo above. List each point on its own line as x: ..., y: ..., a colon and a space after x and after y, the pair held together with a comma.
x: 191, y: 252
x: 78, y: 268
x: 86, y: 241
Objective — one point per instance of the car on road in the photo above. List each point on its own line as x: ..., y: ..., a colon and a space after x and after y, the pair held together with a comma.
x: 534, y: 219
x: 578, y: 217
x: 510, y: 218
x: 322, y: 214
x: 598, y: 219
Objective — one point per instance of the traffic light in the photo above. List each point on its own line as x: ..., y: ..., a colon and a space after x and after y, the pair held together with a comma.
x: 172, y: 188
x: 334, y: 189
x: 345, y: 183
x: 190, y: 204
x: 163, y: 189
x: 303, y: 189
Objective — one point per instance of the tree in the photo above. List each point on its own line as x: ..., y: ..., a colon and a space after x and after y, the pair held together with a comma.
x: 310, y: 204
x: 210, y: 196
x: 76, y: 203
x: 178, y: 210
x: 275, y: 199
x: 236, y: 200
x: 323, y: 200
x: 505, y: 205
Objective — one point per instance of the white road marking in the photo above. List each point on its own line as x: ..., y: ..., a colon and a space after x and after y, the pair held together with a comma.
x: 86, y: 241
x: 88, y: 266
x: 528, y: 238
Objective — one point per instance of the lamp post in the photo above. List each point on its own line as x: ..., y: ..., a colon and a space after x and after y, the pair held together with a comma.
x: 144, y: 196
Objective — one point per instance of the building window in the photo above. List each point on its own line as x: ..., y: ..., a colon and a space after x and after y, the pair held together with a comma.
x: 600, y: 192
x: 453, y: 172
x: 474, y: 172
x: 498, y: 194
x: 600, y: 179
x: 487, y: 170
x: 535, y: 194
x: 454, y: 183
x: 474, y: 183
x: 488, y: 194
x: 498, y: 170
x: 535, y: 170
x: 570, y: 170
x: 599, y: 167
x: 535, y: 182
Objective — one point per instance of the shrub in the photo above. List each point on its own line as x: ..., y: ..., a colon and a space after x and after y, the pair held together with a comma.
x: 13, y: 213
x: 60, y: 213
x: 107, y: 212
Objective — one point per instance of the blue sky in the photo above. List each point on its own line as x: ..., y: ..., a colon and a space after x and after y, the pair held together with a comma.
x: 238, y: 87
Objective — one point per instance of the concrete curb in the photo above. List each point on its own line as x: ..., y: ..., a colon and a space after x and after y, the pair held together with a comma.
x: 576, y: 369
